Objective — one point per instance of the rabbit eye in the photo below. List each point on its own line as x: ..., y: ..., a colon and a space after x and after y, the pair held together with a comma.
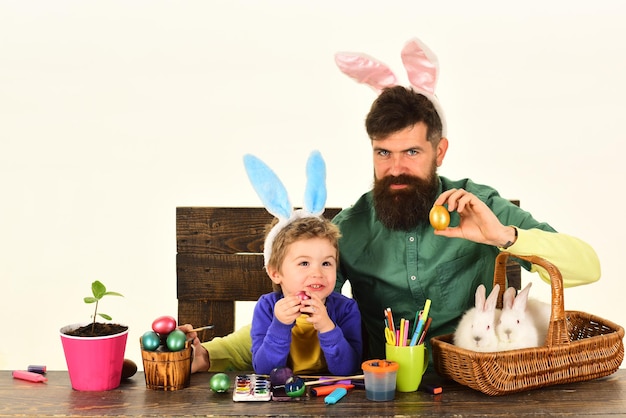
x: 518, y: 321
x: 488, y: 327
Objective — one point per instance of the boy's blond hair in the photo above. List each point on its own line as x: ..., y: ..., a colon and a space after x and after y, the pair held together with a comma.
x: 300, y: 229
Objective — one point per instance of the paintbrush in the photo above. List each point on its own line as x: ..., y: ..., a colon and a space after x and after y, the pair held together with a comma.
x: 333, y: 379
x: 202, y: 328
x: 327, y: 379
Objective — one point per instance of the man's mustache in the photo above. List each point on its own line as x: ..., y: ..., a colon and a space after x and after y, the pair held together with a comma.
x: 401, y: 179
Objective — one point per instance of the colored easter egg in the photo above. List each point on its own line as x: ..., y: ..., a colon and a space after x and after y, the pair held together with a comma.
x: 439, y: 217
x: 176, y: 340
x: 302, y: 295
x: 164, y: 325
x: 280, y: 375
x: 295, y: 387
x: 150, y: 341
x: 220, y: 382
x: 129, y: 368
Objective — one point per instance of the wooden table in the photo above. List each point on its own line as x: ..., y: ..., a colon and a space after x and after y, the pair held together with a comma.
x: 601, y: 397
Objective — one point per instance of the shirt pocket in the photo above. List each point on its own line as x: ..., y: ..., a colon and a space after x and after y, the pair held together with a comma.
x: 458, y: 279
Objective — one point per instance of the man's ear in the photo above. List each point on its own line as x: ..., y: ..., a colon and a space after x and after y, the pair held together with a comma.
x: 441, y: 150
x: 274, y: 274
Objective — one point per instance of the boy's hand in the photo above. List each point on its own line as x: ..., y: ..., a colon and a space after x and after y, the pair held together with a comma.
x: 287, y: 309
x: 318, y: 315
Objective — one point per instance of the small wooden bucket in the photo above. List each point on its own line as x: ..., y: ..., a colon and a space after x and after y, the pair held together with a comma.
x: 167, y: 370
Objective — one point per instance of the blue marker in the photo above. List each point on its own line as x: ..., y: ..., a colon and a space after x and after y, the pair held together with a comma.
x: 421, y: 323
x: 335, y: 396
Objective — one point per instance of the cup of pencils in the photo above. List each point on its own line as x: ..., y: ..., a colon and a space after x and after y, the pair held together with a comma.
x: 412, y: 364
x: 405, y: 346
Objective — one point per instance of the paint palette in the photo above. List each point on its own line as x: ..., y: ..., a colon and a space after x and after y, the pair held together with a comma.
x: 252, y: 387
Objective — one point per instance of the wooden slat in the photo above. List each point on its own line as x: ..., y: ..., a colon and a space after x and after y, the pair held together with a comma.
x: 224, y: 230
x: 221, y: 277
x: 204, y: 312
x: 213, y: 230
x: 513, y: 269
x: 514, y: 275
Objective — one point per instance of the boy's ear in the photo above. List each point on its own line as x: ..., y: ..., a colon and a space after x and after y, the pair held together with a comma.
x: 274, y: 274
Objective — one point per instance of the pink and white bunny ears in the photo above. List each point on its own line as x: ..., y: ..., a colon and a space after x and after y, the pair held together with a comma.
x: 275, y: 198
x: 421, y: 65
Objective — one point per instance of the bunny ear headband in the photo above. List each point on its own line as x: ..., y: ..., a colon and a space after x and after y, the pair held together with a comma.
x: 276, y: 200
x: 419, y: 61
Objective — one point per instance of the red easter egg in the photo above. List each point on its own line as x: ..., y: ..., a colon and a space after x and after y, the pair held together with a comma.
x: 164, y: 325
x: 302, y: 295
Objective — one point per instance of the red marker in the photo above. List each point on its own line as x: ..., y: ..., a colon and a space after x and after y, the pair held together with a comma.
x: 30, y: 376
x: 432, y: 389
x: 325, y: 390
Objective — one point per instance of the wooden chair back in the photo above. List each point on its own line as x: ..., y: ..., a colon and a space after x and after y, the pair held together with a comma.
x: 219, y: 261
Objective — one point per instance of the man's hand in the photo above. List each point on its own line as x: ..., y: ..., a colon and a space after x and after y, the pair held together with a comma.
x: 478, y: 223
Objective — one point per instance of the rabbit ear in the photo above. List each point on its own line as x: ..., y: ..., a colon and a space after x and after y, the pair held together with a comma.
x: 480, y: 296
x: 315, y: 192
x: 366, y: 70
x: 522, y: 297
x: 421, y: 65
x: 268, y: 186
x: 508, y: 297
x: 490, y: 304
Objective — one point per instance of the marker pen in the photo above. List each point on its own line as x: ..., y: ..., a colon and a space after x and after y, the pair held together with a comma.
x: 325, y: 390
x: 30, y: 376
x: 334, y: 397
x: 37, y: 369
x: 432, y: 389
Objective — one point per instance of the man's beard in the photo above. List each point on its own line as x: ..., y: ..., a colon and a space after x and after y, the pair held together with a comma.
x: 404, y: 209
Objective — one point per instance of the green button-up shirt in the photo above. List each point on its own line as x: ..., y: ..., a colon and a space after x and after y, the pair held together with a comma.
x: 401, y: 269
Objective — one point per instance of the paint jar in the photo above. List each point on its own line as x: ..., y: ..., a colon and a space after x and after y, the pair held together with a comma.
x: 380, y: 379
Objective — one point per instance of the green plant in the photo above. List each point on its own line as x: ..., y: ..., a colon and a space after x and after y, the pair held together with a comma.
x: 99, y: 291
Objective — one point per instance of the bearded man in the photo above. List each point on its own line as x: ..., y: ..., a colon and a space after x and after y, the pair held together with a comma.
x: 391, y: 255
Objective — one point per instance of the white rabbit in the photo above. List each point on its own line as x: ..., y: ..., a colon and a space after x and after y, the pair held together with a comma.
x: 476, y: 329
x: 524, y: 322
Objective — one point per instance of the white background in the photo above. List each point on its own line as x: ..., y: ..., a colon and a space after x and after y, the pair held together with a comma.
x: 113, y: 113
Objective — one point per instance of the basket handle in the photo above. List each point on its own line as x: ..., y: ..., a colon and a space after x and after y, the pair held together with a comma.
x: 557, y: 330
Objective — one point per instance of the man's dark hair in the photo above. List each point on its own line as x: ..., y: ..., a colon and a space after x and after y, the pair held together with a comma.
x: 398, y: 108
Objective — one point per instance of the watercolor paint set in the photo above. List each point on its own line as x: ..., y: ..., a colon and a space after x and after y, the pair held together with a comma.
x: 252, y: 387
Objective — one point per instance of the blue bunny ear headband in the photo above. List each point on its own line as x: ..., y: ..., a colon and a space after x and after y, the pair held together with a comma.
x: 275, y: 198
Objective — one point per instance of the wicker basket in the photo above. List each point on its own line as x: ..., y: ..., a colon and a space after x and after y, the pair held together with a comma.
x: 579, y: 347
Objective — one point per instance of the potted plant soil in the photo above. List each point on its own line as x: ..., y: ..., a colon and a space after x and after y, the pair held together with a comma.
x: 94, y: 351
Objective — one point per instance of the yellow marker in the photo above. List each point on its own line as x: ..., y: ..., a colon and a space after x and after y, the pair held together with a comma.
x: 390, y: 336
x: 426, y: 309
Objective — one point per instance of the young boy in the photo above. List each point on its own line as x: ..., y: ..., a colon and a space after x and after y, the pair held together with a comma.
x: 304, y: 324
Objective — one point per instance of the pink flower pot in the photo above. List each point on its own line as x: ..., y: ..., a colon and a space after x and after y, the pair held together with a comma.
x: 94, y: 363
